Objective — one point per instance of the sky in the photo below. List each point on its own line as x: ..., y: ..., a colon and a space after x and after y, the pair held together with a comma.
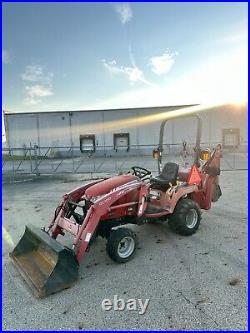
x: 73, y: 56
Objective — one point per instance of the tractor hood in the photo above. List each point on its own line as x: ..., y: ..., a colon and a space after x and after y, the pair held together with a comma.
x: 107, y: 185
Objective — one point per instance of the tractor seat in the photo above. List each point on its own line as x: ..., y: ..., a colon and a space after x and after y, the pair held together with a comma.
x: 168, y: 175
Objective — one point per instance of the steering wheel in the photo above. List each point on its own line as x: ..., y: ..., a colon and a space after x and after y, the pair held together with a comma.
x: 140, y: 172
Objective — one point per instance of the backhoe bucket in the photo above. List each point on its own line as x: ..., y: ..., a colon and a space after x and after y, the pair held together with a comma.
x: 46, y: 265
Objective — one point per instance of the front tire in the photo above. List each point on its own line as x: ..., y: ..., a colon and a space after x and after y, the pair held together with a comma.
x: 186, y: 217
x: 121, y: 245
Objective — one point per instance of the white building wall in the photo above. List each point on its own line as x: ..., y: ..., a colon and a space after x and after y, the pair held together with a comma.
x: 64, y: 128
x: 148, y: 132
x: 227, y: 118
x: 21, y: 130
x: 123, y: 122
x: 84, y: 123
x: 54, y: 130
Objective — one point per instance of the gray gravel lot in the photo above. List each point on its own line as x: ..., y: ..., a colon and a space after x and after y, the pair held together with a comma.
x: 186, y: 278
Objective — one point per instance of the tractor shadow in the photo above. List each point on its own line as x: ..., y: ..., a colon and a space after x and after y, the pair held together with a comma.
x: 152, y: 239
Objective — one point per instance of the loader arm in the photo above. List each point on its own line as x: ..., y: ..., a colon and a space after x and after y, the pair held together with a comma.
x: 99, y: 208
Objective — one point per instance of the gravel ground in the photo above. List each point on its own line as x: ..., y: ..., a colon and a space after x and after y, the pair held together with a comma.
x: 193, y: 283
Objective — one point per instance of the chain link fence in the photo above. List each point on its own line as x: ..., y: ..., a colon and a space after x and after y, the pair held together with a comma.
x: 63, y: 160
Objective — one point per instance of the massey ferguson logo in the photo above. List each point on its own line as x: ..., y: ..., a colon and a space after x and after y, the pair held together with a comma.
x: 124, y: 187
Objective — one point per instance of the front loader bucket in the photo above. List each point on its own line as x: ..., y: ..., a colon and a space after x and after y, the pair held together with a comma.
x: 45, y: 264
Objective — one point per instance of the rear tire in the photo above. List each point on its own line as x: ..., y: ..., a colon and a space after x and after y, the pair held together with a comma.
x: 121, y: 245
x: 186, y: 217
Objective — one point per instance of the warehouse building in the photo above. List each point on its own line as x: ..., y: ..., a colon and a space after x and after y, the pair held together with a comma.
x: 122, y: 131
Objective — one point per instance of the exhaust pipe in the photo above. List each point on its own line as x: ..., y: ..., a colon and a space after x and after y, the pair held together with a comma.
x: 46, y: 265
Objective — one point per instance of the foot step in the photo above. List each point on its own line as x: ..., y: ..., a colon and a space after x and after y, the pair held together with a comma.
x: 155, y: 210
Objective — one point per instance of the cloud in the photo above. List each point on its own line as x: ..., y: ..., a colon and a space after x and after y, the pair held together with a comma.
x: 35, y: 73
x: 36, y: 92
x: 38, y: 84
x: 162, y: 64
x: 133, y: 74
x: 6, y: 58
x: 124, y: 12
x: 221, y: 79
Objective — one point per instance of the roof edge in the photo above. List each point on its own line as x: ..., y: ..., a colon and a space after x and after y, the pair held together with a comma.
x: 102, y: 110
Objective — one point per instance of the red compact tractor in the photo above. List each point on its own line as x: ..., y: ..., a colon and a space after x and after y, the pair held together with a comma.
x: 102, y: 207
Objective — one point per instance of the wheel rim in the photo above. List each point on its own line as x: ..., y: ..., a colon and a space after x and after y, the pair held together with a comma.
x: 126, y: 247
x: 191, y: 218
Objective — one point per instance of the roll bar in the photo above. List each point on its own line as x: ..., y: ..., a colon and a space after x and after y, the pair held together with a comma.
x: 197, y: 144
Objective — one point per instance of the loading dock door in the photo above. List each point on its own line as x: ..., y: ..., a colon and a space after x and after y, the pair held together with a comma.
x: 231, y: 137
x: 87, y: 143
x: 121, y: 141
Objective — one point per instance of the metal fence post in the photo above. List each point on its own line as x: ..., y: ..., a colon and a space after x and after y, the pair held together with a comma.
x: 13, y: 163
x: 30, y: 158
x: 36, y: 160
x: 72, y: 159
x: 94, y: 163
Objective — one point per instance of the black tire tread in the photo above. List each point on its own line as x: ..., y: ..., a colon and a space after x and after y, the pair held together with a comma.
x: 177, y: 219
x: 113, y: 241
